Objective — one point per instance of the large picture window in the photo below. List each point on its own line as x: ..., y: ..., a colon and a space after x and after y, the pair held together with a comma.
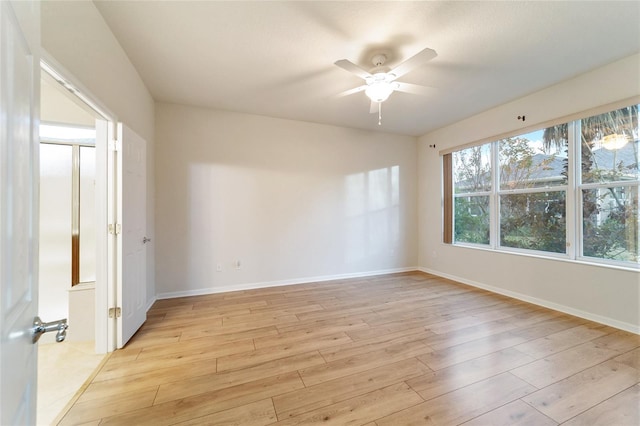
x: 570, y: 190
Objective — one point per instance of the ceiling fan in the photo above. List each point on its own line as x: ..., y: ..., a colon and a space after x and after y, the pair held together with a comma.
x: 381, y: 82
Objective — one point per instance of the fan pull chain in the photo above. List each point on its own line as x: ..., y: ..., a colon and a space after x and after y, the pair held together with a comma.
x: 379, y: 113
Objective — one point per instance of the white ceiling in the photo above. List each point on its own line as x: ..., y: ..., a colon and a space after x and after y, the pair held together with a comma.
x: 276, y: 58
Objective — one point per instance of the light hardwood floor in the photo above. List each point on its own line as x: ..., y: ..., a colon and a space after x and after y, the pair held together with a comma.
x: 56, y: 386
x: 401, y: 349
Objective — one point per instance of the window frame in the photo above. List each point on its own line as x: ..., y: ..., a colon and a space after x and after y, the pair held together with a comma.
x: 75, y: 144
x: 566, y: 188
x: 488, y: 194
x: 573, y: 190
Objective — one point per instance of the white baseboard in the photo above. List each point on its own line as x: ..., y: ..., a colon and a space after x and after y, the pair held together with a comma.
x: 150, y: 303
x: 251, y: 286
x: 632, y: 328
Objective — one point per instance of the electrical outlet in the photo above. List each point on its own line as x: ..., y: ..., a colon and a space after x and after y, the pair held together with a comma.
x: 219, y: 267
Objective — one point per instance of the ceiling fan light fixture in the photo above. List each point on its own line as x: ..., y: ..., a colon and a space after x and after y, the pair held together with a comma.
x: 379, y: 91
x: 380, y: 81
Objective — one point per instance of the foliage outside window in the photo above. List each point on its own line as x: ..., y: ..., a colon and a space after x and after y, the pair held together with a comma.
x: 609, y: 160
x: 472, y: 187
x: 569, y: 190
x: 532, y: 195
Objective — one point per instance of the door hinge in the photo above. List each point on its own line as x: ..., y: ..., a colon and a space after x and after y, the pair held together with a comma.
x: 115, y: 312
x: 114, y: 228
x: 114, y: 145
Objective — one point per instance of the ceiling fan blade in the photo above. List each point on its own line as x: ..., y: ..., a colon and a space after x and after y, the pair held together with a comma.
x: 413, y: 88
x: 374, y: 108
x: 352, y: 68
x: 416, y: 60
x: 351, y: 91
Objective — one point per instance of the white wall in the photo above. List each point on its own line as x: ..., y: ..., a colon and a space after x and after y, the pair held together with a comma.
x: 290, y: 200
x: 77, y: 37
x: 604, y: 294
x: 58, y: 107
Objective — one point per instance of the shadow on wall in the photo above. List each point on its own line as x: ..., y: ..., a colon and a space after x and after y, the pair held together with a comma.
x: 245, y: 200
x: 249, y: 225
x: 372, y: 206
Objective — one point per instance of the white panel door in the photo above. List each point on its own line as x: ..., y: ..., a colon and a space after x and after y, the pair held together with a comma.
x: 132, y: 206
x: 19, y: 168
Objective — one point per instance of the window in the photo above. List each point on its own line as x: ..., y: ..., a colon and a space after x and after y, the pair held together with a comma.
x: 472, y: 184
x: 532, y: 194
x: 570, y: 190
x: 67, y: 202
x: 608, y: 187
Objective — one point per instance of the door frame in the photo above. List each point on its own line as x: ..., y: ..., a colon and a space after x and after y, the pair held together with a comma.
x: 106, y: 256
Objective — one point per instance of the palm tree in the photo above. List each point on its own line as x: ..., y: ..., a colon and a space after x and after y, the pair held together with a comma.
x: 623, y: 121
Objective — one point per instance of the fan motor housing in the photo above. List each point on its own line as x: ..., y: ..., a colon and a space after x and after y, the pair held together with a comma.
x: 378, y: 62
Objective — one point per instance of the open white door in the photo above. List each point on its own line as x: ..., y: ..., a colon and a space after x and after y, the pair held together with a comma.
x: 19, y: 169
x: 132, y: 209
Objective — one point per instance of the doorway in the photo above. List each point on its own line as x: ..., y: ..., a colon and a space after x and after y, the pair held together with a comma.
x: 69, y: 252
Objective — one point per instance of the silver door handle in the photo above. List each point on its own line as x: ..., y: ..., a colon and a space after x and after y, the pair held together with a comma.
x: 146, y: 240
x: 39, y: 328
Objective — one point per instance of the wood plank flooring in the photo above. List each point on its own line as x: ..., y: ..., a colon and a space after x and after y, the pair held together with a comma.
x: 400, y: 349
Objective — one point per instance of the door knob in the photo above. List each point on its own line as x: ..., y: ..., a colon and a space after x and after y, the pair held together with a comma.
x: 39, y: 328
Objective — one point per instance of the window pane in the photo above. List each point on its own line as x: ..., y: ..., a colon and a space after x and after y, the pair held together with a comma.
x: 472, y: 169
x: 534, y: 221
x: 610, y: 223
x: 537, y: 159
x: 609, y: 147
x: 471, y: 220
x: 87, y: 214
x: 55, y: 222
